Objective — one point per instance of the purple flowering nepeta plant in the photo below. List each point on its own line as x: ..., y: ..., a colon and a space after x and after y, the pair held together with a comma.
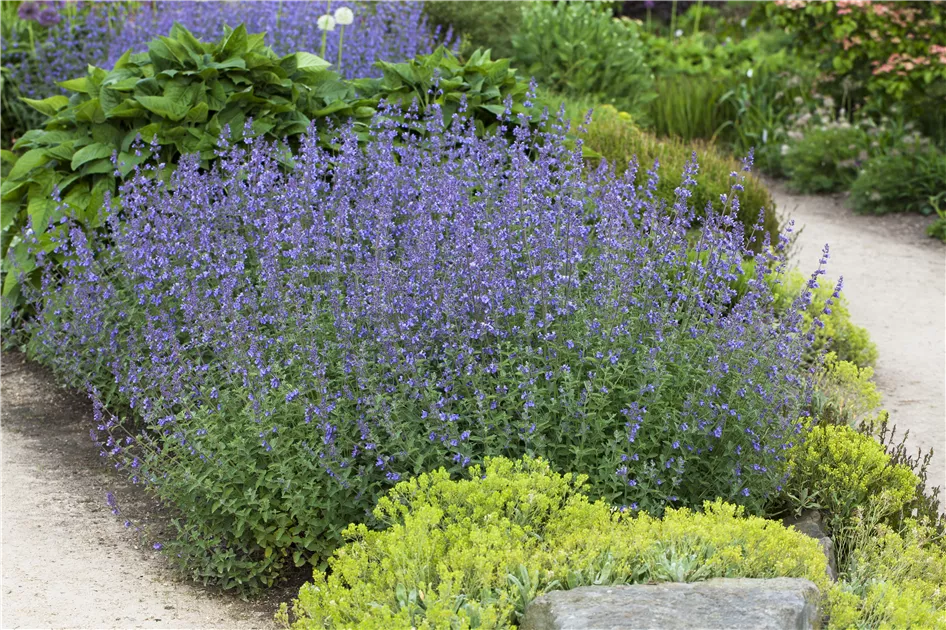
x: 292, y: 344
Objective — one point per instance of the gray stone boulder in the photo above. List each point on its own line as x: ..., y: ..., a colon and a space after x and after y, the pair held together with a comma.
x: 718, y: 604
x: 809, y: 524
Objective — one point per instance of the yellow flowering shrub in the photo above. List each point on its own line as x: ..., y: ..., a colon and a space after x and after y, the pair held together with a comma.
x: 845, y: 393
x: 846, y: 471
x: 893, y: 580
x: 473, y: 553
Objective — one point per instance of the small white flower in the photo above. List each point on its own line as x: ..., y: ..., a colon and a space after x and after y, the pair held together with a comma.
x: 749, y: 73
x: 678, y: 33
x: 326, y: 23
x: 344, y: 16
x: 765, y: 136
x: 742, y: 22
x: 785, y: 149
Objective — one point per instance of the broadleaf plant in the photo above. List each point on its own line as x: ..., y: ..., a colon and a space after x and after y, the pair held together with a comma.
x: 181, y: 97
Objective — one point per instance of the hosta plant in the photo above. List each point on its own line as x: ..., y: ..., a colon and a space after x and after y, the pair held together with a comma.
x: 184, y: 93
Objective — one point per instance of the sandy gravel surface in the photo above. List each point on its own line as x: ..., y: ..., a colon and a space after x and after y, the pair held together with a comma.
x: 67, y: 562
x: 895, y: 283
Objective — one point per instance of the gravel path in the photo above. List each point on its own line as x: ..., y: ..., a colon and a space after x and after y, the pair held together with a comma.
x: 895, y: 284
x: 67, y: 562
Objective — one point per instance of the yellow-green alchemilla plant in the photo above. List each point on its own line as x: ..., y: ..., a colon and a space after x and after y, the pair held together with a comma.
x: 473, y: 553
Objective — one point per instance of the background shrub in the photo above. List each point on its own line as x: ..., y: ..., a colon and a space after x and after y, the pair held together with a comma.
x: 475, y: 552
x: 578, y: 49
x: 891, y: 52
x: 826, y: 159
x: 306, y: 339
x: 613, y: 135
x: 478, y: 23
x: 901, y: 181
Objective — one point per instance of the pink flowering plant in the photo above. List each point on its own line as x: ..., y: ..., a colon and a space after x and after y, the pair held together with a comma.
x: 895, y: 50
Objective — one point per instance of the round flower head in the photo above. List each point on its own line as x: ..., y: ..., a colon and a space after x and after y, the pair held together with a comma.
x: 344, y: 16
x: 48, y: 17
x: 326, y: 23
x: 28, y: 11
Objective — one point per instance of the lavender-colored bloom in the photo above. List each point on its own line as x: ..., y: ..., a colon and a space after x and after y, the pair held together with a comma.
x: 49, y: 17
x: 28, y: 11
x: 343, y: 301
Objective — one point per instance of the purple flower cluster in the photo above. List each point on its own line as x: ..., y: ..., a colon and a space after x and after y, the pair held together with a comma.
x: 100, y: 33
x: 423, y: 302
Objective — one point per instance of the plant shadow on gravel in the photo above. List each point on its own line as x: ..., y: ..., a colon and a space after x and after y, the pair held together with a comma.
x: 56, y: 420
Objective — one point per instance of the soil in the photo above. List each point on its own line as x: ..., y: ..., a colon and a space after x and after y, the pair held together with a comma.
x: 895, y: 285
x: 68, y: 562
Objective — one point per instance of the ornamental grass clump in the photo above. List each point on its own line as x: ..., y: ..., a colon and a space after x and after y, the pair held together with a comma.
x: 289, y: 345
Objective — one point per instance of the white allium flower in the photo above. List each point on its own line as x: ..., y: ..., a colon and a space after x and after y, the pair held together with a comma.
x: 749, y: 73
x: 326, y: 23
x: 785, y: 149
x: 344, y: 16
x: 678, y: 33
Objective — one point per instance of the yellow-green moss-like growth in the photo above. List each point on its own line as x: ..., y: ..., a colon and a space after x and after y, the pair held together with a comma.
x: 613, y: 135
x: 473, y: 553
x: 893, y: 580
x: 849, y: 472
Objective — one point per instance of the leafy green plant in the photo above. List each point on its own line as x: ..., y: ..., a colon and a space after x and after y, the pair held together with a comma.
x: 826, y: 159
x: 579, y: 49
x: 178, y: 98
x: 848, y: 472
x: 844, y: 393
x: 474, y: 552
x: 908, y: 179
x: 482, y: 84
x: 893, y: 578
x: 937, y: 229
x: 687, y: 107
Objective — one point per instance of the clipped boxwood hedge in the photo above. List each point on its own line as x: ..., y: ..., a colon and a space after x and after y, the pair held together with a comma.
x: 613, y: 135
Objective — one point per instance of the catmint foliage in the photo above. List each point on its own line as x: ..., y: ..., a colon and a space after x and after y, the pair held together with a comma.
x: 288, y: 345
